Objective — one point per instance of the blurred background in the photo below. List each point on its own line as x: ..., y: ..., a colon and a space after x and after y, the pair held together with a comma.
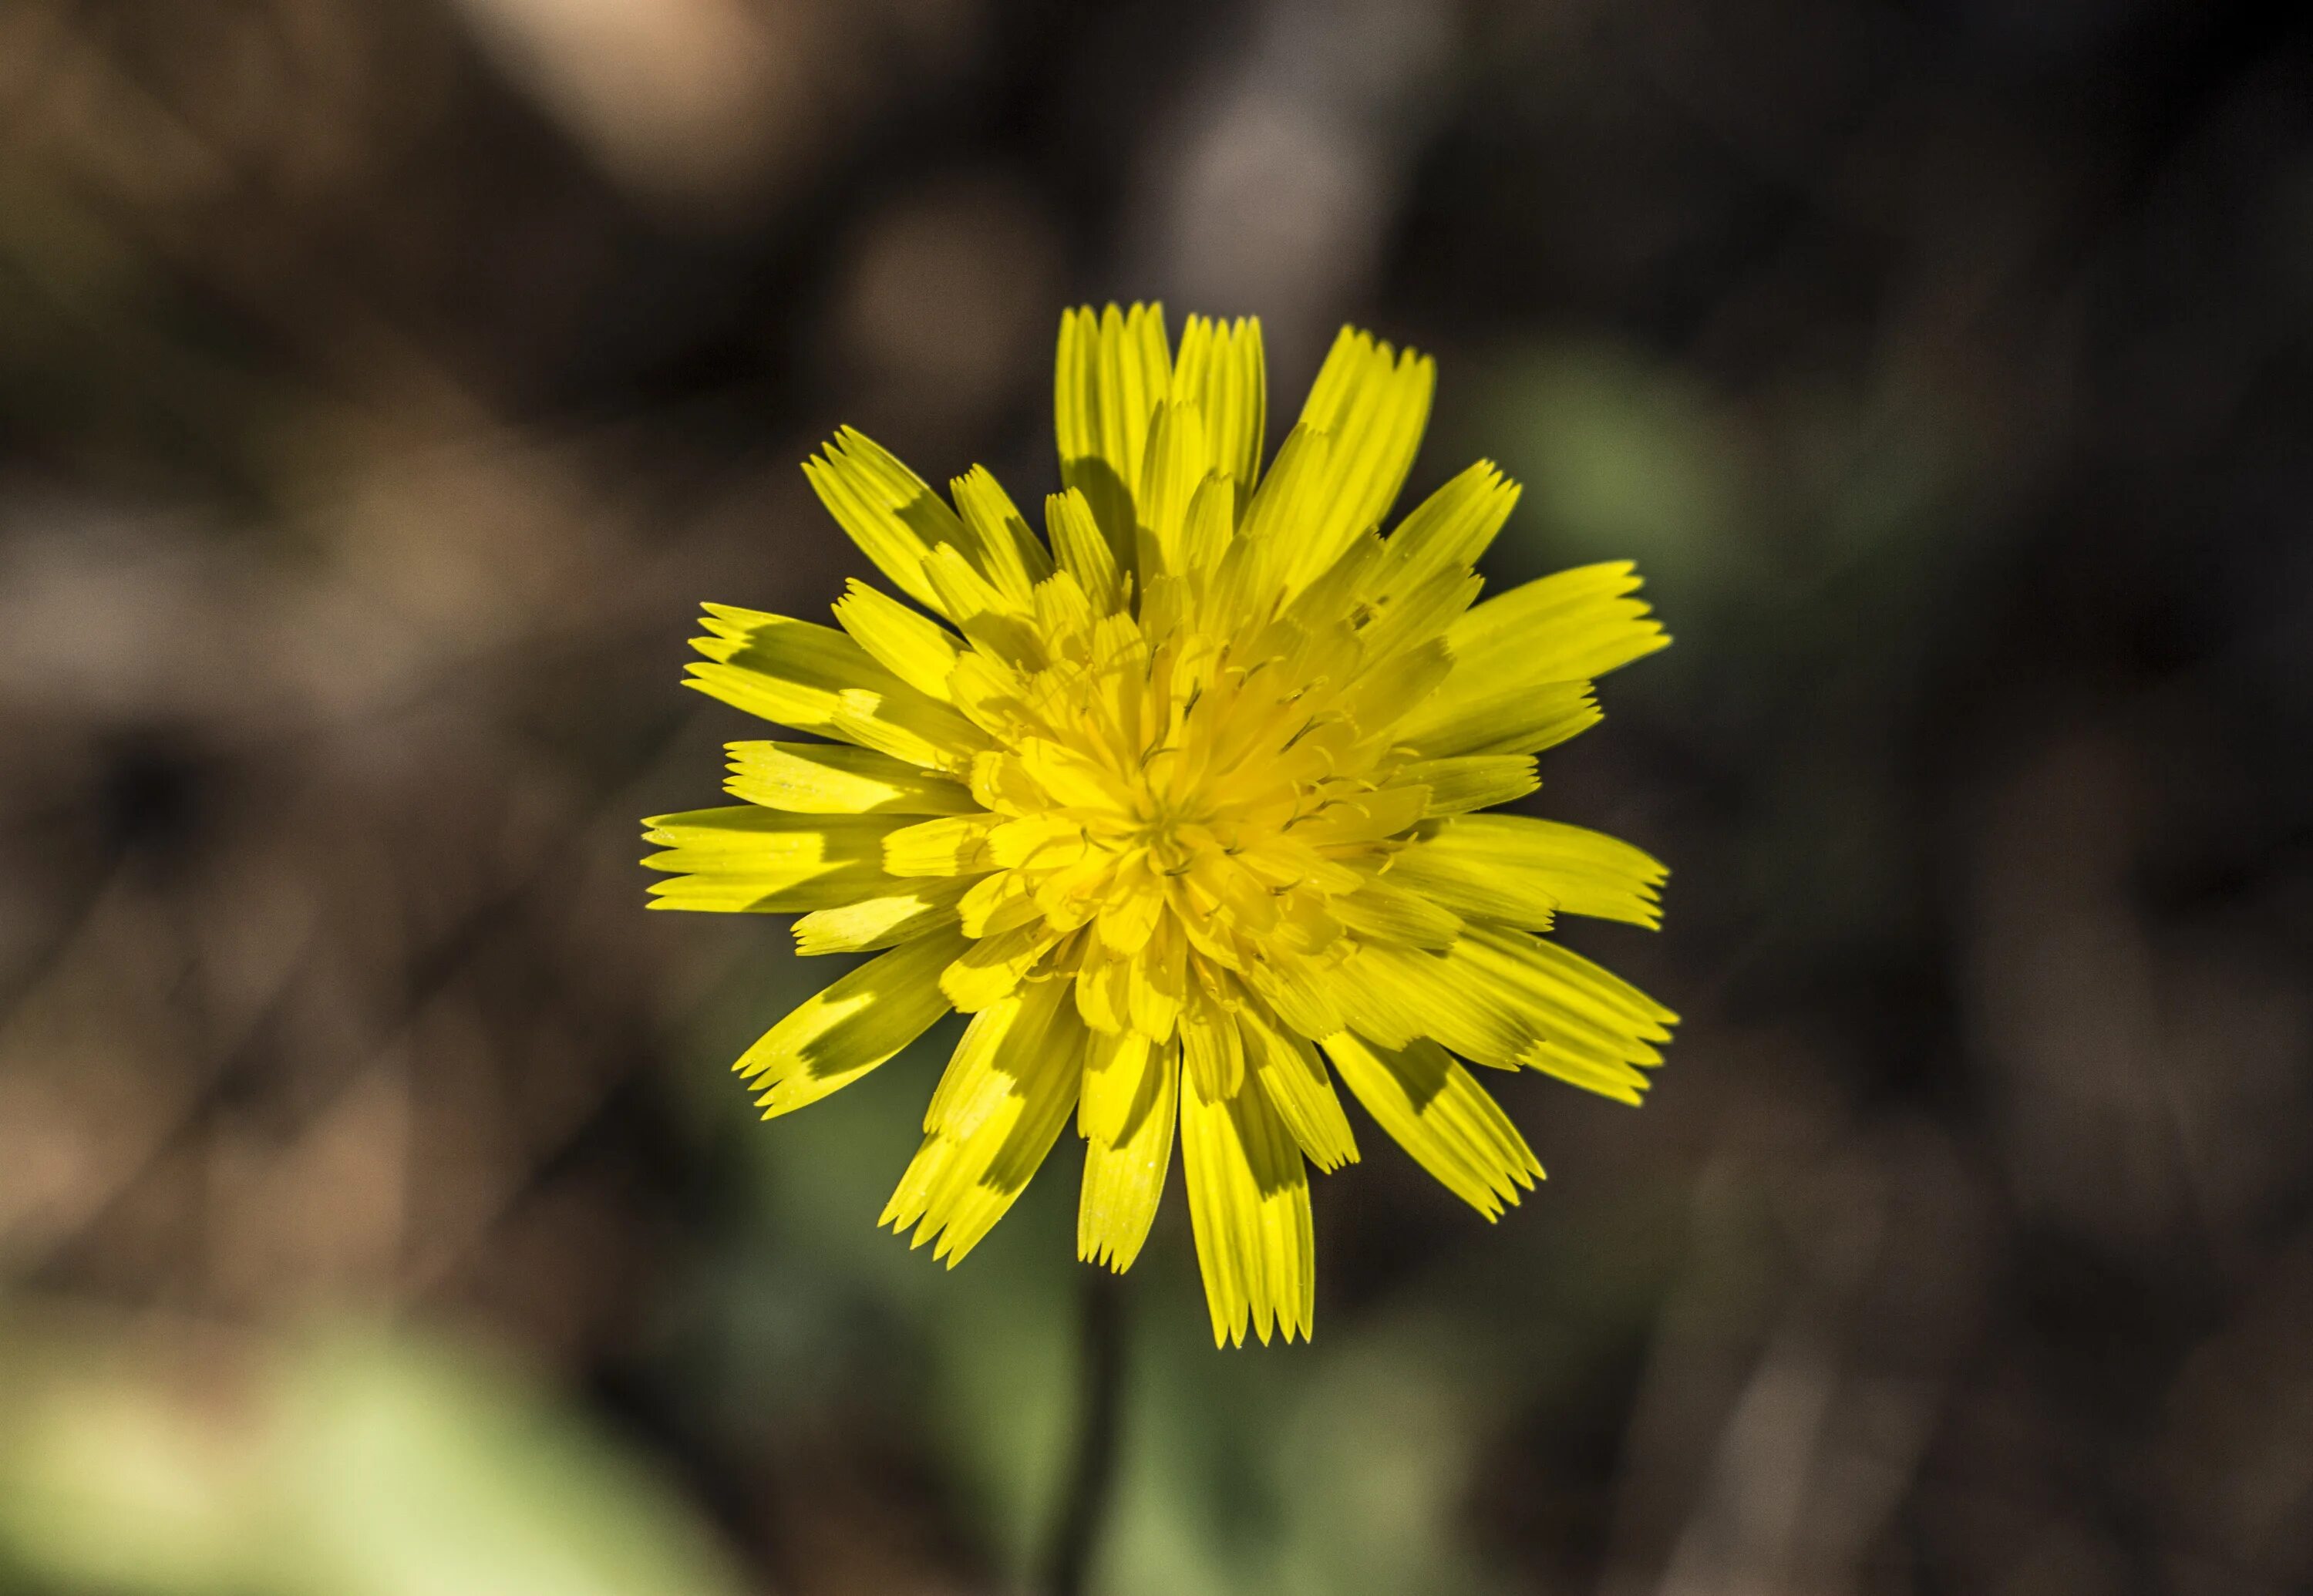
x: 384, y: 384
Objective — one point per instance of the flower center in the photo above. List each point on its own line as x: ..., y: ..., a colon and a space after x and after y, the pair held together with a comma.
x: 1172, y: 814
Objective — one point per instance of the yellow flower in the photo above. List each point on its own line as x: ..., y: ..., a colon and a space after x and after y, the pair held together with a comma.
x: 1178, y: 803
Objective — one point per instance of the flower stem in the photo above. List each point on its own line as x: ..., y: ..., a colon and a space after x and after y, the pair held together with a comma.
x: 1092, y: 1474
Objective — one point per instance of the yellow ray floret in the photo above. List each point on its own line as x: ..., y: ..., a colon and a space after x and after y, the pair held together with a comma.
x: 1181, y: 801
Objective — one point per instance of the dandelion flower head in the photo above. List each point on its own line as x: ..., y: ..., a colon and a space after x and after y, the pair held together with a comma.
x: 1180, y: 803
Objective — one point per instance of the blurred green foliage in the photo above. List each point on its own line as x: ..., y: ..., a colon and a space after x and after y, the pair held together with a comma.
x: 361, y: 1462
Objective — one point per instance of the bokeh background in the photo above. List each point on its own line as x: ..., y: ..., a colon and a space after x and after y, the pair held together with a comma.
x: 383, y: 383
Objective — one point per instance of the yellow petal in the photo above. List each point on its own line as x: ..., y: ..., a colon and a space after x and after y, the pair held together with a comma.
x: 1433, y: 1107
x: 1177, y: 463
x: 1124, y: 1170
x: 751, y: 860
x: 909, y: 644
x: 1082, y: 550
x: 1296, y: 1082
x: 1003, y: 1042
x: 1249, y: 1208
x: 890, y: 512
x: 1115, y: 1084
x: 1576, y: 625
x: 992, y: 967
x: 1272, y: 525
x: 1520, y: 662
x: 816, y: 679
x: 1497, y: 720
x: 1298, y: 991
x: 953, y: 845
x: 1382, y: 699
x: 1219, y: 370
x: 1382, y: 910
x: 1451, y: 528
x: 1019, y: 1087
x: 993, y: 621
x: 1102, y: 998
x: 1580, y: 871
x: 1002, y: 901
x: 884, y: 921
x: 1156, y: 984
x: 1393, y: 995
x: 1372, y: 404
x: 834, y: 1038
x: 1399, y: 618
x: 1476, y: 893
x: 1212, y: 1051
x: 1064, y: 616
x: 836, y: 778
x: 1589, y: 1027
x: 1010, y: 553
x: 1205, y: 530
x: 1473, y: 780
x: 1502, y: 997
x: 1587, y: 1070
x: 1114, y: 367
